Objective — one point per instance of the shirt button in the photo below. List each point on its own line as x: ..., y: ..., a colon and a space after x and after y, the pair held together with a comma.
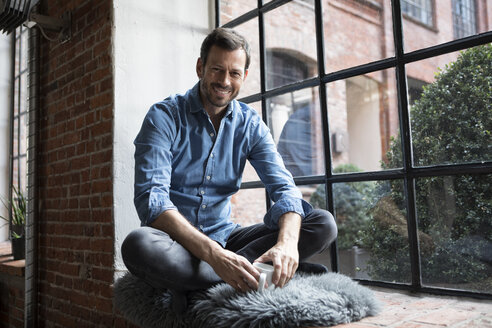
x: 209, y: 177
x: 212, y: 155
x: 201, y: 227
x: 212, y: 134
x: 204, y: 206
x: 202, y: 192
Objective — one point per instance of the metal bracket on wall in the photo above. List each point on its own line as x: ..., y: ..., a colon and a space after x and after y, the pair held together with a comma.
x: 63, y: 25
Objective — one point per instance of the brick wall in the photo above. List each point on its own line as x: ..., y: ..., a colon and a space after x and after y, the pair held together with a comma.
x: 11, y: 301
x: 11, y: 289
x: 76, y: 232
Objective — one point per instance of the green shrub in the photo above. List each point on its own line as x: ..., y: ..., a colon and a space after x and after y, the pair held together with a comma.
x: 352, y: 202
x: 451, y: 123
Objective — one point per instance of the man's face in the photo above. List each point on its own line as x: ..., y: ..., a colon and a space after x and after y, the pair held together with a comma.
x: 221, y: 77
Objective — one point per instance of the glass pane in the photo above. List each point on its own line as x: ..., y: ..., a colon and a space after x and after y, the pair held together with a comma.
x: 249, y: 173
x: 427, y: 23
x: 372, y: 230
x: 455, y: 230
x: 231, y: 9
x: 15, y: 141
x: 290, y: 41
x: 356, y: 33
x: 23, y: 134
x: 450, y: 107
x: 294, y: 120
x: 23, y: 53
x: 315, y: 195
x: 373, y: 234
x: 15, y: 172
x: 252, y: 84
x: 23, y: 92
x: 23, y: 175
x: 248, y: 206
x: 363, y: 119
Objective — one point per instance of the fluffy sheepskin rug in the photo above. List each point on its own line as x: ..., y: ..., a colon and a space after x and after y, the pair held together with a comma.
x: 307, y: 301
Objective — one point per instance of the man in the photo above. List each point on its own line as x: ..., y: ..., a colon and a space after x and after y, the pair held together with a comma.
x: 189, y: 158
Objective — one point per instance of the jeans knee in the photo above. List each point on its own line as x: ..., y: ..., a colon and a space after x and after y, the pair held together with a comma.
x: 325, y: 229
x: 133, y: 245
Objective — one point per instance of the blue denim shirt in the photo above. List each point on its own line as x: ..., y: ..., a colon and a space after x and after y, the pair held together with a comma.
x: 182, y: 163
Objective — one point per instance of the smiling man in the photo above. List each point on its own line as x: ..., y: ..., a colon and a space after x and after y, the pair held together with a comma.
x: 189, y: 158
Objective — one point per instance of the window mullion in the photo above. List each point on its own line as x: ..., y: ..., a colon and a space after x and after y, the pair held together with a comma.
x: 406, y: 141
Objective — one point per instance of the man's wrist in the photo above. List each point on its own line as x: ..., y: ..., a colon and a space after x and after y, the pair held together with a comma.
x: 211, y: 251
x: 289, y: 227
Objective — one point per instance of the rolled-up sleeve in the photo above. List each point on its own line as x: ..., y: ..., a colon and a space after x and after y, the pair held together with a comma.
x: 153, y: 163
x: 276, y: 178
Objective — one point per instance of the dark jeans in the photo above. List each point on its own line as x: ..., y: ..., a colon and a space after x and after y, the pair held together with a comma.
x: 156, y: 258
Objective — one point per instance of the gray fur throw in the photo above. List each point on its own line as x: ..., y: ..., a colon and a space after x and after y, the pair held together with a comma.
x: 308, y: 300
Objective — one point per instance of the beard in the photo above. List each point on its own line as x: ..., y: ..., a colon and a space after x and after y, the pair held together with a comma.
x: 217, y: 95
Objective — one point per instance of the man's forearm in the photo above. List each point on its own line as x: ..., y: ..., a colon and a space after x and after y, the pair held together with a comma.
x: 289, y: 228
x: 176, y: 226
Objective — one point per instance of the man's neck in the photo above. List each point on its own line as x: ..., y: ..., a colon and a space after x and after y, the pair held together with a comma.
x: 216, y: 118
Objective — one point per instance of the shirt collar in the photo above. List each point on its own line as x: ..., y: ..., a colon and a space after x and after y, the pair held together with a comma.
x: 196, y: 103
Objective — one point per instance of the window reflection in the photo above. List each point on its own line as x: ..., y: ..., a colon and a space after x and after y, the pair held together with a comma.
x: 295, y: 124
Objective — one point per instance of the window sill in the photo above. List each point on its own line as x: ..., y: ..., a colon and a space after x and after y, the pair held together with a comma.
x: 7, y: 263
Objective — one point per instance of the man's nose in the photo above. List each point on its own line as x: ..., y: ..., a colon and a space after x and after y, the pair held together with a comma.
x: 224, y: 79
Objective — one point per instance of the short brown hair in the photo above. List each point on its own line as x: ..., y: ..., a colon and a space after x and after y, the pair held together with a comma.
x: 227, y: 39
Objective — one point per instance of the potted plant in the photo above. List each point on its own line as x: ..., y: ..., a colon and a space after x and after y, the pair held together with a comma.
x: 17, y: 232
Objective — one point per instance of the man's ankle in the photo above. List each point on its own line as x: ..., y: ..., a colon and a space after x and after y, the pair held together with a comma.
x: 312, y: 268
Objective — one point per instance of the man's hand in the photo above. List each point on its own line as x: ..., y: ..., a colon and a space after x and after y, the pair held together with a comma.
x: 232, y: 268
x: 285, y: 259
x: 235, y: 270
x: 284, y: 255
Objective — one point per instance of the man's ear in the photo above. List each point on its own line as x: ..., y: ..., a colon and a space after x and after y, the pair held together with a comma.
x: 199, y: 68
x: 245, y: 74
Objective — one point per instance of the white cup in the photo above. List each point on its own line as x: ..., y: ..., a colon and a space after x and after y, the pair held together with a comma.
x: 266, y: 274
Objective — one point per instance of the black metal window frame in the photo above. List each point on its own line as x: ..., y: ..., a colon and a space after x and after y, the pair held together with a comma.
x: 408, y: 173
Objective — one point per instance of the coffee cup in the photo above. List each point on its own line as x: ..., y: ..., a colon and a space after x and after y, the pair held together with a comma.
x: 266, y: 274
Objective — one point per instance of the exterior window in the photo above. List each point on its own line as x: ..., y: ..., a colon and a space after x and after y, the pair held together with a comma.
x: 19, y: 113
x: 395, y: 144
x: 420, y: 10
x: 15, y: 183
x: 464, y: 18
x: 284, y: 69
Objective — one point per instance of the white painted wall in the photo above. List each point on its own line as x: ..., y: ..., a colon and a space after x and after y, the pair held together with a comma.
x: 156, y: 45
x: 5, y: 78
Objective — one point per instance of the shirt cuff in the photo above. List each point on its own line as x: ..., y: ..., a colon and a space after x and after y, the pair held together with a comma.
x: 297, y: 205
x: 156, y: 211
